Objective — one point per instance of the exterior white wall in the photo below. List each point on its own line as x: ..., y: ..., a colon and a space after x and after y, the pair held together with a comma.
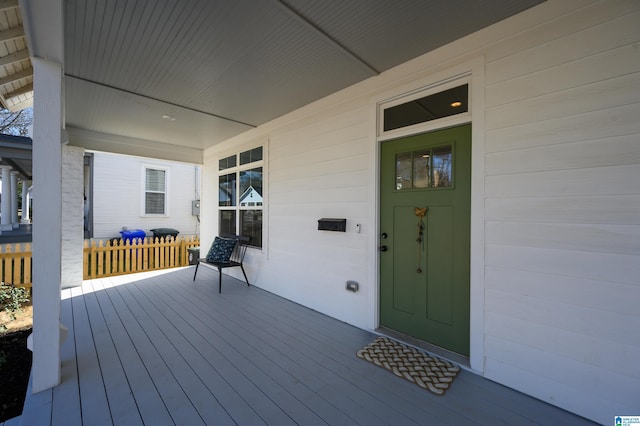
x: 114, y: 209
x: 562, y: 211
x: 559, y: 217
x: 72, y: 215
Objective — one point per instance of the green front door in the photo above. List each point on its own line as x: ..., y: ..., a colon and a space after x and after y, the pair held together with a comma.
x: 424, y: 254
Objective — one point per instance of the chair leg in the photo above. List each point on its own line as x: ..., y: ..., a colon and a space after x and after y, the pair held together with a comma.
x: 245, y: 275
x: 196, y: 272
x: 219, y: 280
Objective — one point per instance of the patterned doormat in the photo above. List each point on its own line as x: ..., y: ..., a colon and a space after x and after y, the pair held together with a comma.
x: 424, y: 370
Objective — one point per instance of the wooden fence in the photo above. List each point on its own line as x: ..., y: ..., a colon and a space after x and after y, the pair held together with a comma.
x: 103, y: 258
x: 15, y: 264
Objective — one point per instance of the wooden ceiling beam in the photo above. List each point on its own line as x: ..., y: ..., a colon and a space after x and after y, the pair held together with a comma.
x: 25, y: 73
x: 8, y: 4
x: 19, y: 91
x: 19, y: 105
x: 11, y: 34
x: 18, y: 56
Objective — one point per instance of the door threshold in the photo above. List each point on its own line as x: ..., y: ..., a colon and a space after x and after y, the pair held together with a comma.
x: 446, y: 354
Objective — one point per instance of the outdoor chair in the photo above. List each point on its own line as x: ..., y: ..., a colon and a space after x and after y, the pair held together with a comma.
x: 227, y: 251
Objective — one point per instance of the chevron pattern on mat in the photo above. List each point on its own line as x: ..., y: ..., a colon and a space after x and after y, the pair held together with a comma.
x: 426, y: 371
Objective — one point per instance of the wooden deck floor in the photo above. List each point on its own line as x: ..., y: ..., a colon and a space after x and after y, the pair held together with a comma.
x: 160, y: 349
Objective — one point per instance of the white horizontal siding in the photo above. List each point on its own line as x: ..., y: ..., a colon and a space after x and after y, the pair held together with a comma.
x: 552, y: 379
x: 563, y: 211
x: 604, y: 181
x: 316, y: 167
x: 613, y: 151
x: 597, y: 238
x: 544, y: 25
x: 570, y: 263
x: 585, y: 326
x: 114, y: 209
x: 562, y: 77
x: 607, y: 123
x: 605, y: 209
x: 514, y: 346
x: 321, y: 169
x: 564, y: 41
x: 592, y: 97
x: 550, y: 286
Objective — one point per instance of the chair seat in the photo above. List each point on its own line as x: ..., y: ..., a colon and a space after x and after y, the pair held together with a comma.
x: 225, y: 264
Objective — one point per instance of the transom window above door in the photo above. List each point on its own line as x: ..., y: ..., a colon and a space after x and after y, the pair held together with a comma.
x: 427, y: 108
x: 438, y: 106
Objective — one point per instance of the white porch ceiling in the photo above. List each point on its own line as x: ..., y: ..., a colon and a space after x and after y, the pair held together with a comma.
x: 219, y: 68
x: 16, y: 74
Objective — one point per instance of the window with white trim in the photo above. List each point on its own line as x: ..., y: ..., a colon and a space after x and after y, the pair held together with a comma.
x: 155, y: 191
x: 240, y: 195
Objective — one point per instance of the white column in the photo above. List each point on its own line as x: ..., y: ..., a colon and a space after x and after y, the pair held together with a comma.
x: 47, y: 222
x: 25, y: 202
x: 72, y: 220
x: 14, y: 200
x: 5, y: 203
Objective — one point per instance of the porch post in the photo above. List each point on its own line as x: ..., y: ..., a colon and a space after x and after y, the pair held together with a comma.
x: 47, y: 223
x: 14, y: 199
x: 5, y: 202
x: 25, y: 202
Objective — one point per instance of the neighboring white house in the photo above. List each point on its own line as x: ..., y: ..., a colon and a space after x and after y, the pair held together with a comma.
x: 549, y: 138
x: 139, y: 193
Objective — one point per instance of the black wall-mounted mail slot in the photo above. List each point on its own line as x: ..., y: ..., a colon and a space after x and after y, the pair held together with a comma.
x: 326, y: 224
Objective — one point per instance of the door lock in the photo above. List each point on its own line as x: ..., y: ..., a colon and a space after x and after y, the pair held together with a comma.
x: 383, y: 248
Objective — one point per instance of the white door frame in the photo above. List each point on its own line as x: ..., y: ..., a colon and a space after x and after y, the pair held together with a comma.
x: 473, y: 73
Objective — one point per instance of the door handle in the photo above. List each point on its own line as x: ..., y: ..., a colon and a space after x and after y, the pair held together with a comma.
x: 383, y: 248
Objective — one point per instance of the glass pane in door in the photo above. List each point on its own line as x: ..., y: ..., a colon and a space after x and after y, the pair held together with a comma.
x: 404, y: 171
x: 442, y: 176
x: 421, y: 174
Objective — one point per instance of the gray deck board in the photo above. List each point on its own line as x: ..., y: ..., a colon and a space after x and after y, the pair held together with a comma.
x: 138, y: 383
x: 38, y: 407
x: 93, y: 397
x: 166, y: 341
x: 340, y: 359
x: 232, y: 357
x: 123, y: 409
x: 161, y: 349
x: 67, y: 412
x: 193, y: 368
x: 478, y: 398
x: 313, y: 377
x: 159, y: 397
x: 483, y: 402
x: 270, y: 339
